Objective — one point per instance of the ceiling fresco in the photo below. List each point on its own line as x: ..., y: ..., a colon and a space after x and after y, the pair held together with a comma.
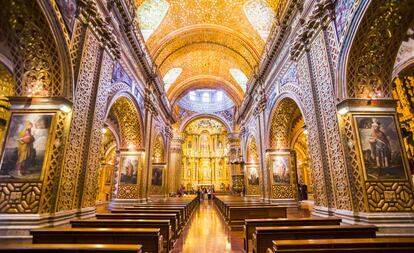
x: 214, y: 43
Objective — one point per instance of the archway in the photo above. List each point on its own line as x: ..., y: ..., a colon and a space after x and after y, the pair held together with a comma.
x: 252, y: 172
x: 205, y: 157
x: 125, y: 121
x: 287, y: 137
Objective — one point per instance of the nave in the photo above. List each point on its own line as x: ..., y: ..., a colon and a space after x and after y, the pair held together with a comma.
x: 115, y: 114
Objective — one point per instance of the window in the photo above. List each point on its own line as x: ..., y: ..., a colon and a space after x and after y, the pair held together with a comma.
x: 261, y: 16
x: 150, y: 15
x: 171, y: 76
x: 219, y: 96
x: 205, y: 97
x: 240, y: 78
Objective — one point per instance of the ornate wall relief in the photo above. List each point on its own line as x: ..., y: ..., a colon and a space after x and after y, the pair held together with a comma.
x: 375, y: 48
x: 37, y: 66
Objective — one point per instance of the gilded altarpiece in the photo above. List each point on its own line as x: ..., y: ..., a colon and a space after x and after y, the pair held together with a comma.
x: 205, y: 158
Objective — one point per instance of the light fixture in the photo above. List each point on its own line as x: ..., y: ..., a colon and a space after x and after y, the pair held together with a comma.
x: 343, y: 111
x: 305, y: 131
x: 65, y: 108
x: 104, y: 130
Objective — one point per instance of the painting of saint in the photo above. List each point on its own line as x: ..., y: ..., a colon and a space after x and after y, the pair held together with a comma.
x: 253, y: 176
x: 381, y: 149
x: 280, y: 169
x: 108, y: 174
x: 129, y: 170
x: 68, y: 10
x: 156, y: 176
x: 25, y: 146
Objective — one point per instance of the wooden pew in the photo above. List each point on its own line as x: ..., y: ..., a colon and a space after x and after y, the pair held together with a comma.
x: 251, y: 224
x: 70, y: 248
x: 359, y: 244
x: 183, y: 214
x: 263, y: 236
x: 139, y: 216
x: 226, y: 213
x: 150, y: 238
x: 163, y: 225
x: 177, y: 212
x: 238, y: 214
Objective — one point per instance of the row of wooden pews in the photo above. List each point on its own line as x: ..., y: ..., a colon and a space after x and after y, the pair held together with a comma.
x: 235, y: 210
x: 148, y: 227
x: 267, y: 230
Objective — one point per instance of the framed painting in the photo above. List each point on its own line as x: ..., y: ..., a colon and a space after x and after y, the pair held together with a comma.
x: 26, y: 145
x: 280, y: 169
x: 381, y: 150
x: 253, y: 175
x: 129, y: 170
x: 156, y: 178
x: 68, y: 8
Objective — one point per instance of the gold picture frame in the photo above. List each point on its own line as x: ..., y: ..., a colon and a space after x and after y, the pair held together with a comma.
x: 25, y: 148
x: 382, y: 158
x: 280, y: 167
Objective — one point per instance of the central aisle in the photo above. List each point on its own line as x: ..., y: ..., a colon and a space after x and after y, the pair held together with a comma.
x: 206, y: 232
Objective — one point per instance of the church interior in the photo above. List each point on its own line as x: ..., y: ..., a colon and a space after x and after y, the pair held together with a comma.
x: 206, y: 126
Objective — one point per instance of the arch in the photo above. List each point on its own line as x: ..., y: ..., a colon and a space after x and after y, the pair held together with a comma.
x: 195, y: 117
x: 62, y: 41
x: 372, y: 42
x: 201, y: 29
x: 128, y: 120
x: 121, y: 89
x: 178, y: 90
x: 275, y: 116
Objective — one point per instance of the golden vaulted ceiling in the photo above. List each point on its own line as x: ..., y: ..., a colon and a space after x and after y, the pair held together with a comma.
x: 203, y: 39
